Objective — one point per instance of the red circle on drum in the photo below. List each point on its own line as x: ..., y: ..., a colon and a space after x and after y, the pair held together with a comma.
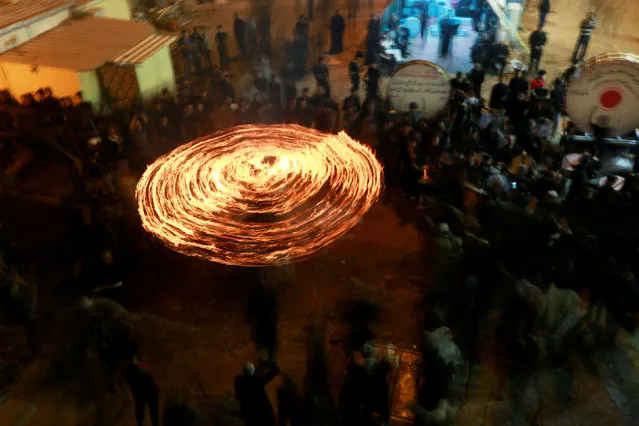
x: 610, y: 99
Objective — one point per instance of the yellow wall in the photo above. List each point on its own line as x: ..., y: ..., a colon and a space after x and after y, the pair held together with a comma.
x: 117, y: 9
x: 20, y: 79
x: 90, y: 86
x: 156, y: 73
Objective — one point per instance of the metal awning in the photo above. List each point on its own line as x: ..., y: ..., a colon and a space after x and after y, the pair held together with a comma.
x: 143, y: 50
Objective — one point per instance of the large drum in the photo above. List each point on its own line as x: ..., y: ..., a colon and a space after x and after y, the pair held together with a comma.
x: 421, y: 82
x: 605, y: 92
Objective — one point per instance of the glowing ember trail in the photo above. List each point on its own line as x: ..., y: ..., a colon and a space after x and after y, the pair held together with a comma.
x: 258, y: 195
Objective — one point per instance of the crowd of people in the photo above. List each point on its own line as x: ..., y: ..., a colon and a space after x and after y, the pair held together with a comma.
x: 530, y: 229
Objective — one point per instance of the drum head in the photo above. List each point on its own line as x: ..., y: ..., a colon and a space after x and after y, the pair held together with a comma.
x: 605, y: 91
x: 421, y: 82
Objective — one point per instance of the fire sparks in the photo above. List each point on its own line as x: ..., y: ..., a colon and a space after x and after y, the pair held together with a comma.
x: 258, y: 195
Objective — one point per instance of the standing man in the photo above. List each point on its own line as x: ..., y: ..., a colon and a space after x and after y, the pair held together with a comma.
x: 423, y: 22
x: 448, y: 29
x: 239, y: 27
x: 372, y: 81
x: 144, y: 391
x: 499, y: 96
x: 353, y: 71
x: 311, y: 9
x: 544, y: 9
x: 320, y: 71
x: 586, y: 27
x: 250, y: 392
x: 476, y: 10
x: 202, y: 46
x: 222, y: 48
x: 537, y: 42
x: 518, y: 86
x: 476, y: 77
x: 338, y: 25
x: 372, y: 38
x: 187, y: 51
x: 558, y: 97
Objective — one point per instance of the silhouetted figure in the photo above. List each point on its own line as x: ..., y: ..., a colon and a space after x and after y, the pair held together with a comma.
x: 376, y: 386
x: 262, y: 311
x: 476, y: 76
x: 499, y: 95
x: 372, y: 81
x: 144, y: 391
x: 353, y: 71
x: 239, y: 31
x: 351, y: 396
x: 221, y: 38
x: 320, y: 71
x: 544, y: 10
x: 250, y: 391
x: 288, y: 403
x: 338, y: 26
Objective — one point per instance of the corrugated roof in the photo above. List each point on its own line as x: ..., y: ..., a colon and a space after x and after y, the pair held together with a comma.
x: 12, y: 13
x: 81, y: 44
x: 138, y: 54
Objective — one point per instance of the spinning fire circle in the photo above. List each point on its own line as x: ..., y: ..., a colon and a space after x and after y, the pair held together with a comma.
x: 258, y: 195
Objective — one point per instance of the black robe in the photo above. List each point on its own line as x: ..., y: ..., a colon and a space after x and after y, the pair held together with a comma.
x: 337, y: 34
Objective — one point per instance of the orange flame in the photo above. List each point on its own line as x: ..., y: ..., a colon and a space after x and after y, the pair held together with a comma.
x: 258, y: 195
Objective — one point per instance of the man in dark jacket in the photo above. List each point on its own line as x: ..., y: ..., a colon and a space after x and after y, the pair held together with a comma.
x: 372, y: 38
x: 517, y: 86
x: 250, y: 392
x: 544, y: 9
x: 537, y: 42
x: 353, y: 71
x: 476, y: 77
x: 337, y: 33
x: 372, y: 81
x: 320, y: 72
x: 239, y: 27
x: 222, y: 48
x: 499, y: 95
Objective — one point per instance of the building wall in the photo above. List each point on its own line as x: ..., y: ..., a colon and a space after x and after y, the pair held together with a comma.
x: 91, y: 88
x: 156, y: 73
x: 116, y: 9
x: 22, y: 32
x: 14, y: 38
x: 21, y: 78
